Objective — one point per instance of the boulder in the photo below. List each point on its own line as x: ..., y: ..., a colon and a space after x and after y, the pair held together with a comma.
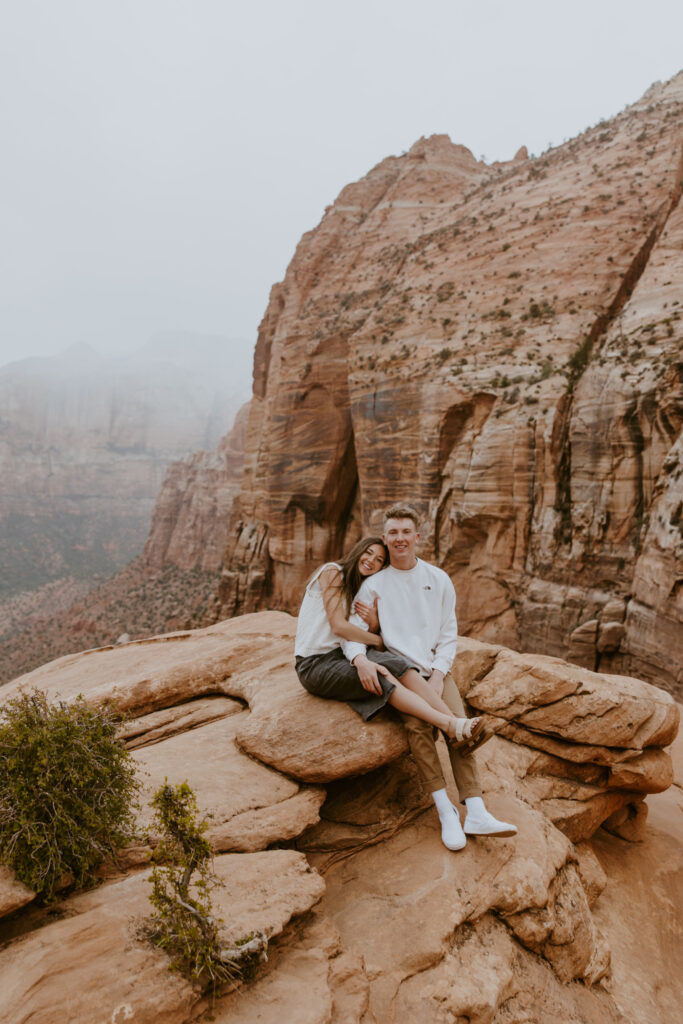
x: 93, y: 966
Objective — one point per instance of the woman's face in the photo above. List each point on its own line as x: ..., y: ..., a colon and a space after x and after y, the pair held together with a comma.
x: 372, y: 560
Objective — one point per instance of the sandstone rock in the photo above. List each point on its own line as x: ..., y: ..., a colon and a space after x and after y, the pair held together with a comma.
x: 316, y: 981
x: 225, y: 782
x: 276, y: 823
x: 628, y: 822
x: 575, y: 797
x: 446, y: 899
x: 580, y: 706
x: 402, y: 929
x: 364, y: 810
x: 473, y: 661
x: 316, y: 740
x: 13, y: 893
x: 638, y: 912
x: 228, y: 659
x: 160, y: 725
x: 112, y: 975
x: 591, y: 873
x: 610, y: 636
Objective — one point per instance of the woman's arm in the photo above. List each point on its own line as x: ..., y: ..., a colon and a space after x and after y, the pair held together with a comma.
x: 330, y: 580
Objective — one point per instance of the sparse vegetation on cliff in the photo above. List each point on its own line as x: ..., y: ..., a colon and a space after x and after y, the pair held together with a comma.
x: 184, y: 925
x: 67, y: 791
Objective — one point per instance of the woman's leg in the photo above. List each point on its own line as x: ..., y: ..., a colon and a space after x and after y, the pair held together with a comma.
x: 411, y: 703
x: 415, y: 682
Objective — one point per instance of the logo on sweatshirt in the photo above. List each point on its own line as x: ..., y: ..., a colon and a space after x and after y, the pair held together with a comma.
x: 426, y: 587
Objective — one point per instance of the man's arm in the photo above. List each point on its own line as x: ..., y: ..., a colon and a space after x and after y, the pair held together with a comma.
x: 350, y: 648
x: 444, y: 651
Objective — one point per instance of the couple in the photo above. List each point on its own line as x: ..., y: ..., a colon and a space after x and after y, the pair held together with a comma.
x: 374, y: 637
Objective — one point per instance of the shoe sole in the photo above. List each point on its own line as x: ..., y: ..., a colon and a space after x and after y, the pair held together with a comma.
x: 493, y: 835
x: 481, y: 734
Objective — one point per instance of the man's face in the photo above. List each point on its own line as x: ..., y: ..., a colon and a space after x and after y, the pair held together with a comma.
x: 401, y: 537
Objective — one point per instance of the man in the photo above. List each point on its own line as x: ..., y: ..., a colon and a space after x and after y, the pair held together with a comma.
x: 415, y: 604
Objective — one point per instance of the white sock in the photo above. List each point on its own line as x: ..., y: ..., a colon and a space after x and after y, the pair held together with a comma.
x: 475, y: 805
x: 443, y: 804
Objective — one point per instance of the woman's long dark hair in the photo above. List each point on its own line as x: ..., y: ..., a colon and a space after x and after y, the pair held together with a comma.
x: 351, y: 577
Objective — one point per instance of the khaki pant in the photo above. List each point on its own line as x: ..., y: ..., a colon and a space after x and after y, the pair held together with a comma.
x: 421, y: 739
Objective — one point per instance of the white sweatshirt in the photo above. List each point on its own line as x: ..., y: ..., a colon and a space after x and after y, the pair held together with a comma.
x: 416, y: 610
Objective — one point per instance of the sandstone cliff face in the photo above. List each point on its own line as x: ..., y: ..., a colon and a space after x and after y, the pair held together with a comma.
x: 501, y: 346
x: 192, y: 511
x: 323, y: 843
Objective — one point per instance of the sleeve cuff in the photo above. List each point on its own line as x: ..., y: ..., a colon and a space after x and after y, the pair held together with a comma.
x: 441, y: 666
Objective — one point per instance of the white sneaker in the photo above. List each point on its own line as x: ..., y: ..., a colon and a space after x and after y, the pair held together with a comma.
x: 452, y: 835
x: 484, y: 824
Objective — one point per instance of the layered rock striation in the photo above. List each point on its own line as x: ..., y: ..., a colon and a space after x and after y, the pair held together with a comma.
x: 501, y: 346
x: 322, y: 843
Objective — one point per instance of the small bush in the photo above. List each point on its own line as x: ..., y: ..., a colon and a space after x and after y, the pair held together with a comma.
x: 67, y: 791
x: 184, y: 925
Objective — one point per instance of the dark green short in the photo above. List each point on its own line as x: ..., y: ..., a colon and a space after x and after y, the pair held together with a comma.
x: 333, y: 677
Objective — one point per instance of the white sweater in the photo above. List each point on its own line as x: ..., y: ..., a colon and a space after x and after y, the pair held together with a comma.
x: 416, y: 610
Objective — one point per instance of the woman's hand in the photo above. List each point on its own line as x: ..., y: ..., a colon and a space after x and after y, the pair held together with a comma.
x: 367, y: 673
x: 368, y: 613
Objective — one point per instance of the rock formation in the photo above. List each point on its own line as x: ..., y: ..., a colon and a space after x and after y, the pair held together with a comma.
x: 171, y: 585
x: 322, y: 842
x: 500, y: 345
x: 85, y: 441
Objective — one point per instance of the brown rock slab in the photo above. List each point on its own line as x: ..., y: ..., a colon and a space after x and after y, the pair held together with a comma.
x: 277, y: 823
x: 148, y: 675
x: 573, y: 796
x: 591, y: 873
x: 317, y: 740
x: 225, y: 781
x: 473, y: 660
x: 548, y: 696
x: 160, y: 725
x: 13, y: 893
x: 110, y: 975
x: 404, y: 920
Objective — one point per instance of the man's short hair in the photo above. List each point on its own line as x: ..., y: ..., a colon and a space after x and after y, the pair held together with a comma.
x: 402, y: 512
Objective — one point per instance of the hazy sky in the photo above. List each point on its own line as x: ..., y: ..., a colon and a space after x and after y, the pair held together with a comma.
x: 160, y: 159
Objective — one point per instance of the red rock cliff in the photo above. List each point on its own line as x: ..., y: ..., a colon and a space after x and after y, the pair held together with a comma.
x: 501, y: 346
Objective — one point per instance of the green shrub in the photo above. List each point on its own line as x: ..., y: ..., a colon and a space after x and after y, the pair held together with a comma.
x: 184, y: 925
x: 67, y: 791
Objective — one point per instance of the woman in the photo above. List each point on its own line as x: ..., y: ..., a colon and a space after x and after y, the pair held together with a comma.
x: 322, y: 667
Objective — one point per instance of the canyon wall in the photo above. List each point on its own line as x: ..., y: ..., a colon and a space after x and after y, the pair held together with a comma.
x: 171, y: 585
x: 501, y: 346
x: 85, y: 441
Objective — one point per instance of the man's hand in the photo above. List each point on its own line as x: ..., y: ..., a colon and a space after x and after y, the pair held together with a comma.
x: 368, y: 613
x: 436, y: 681
x: 367, y: 673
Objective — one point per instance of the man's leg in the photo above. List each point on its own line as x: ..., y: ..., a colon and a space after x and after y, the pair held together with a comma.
x: 478, y: 821
x: 464, y: 766
x: 421, y: 740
